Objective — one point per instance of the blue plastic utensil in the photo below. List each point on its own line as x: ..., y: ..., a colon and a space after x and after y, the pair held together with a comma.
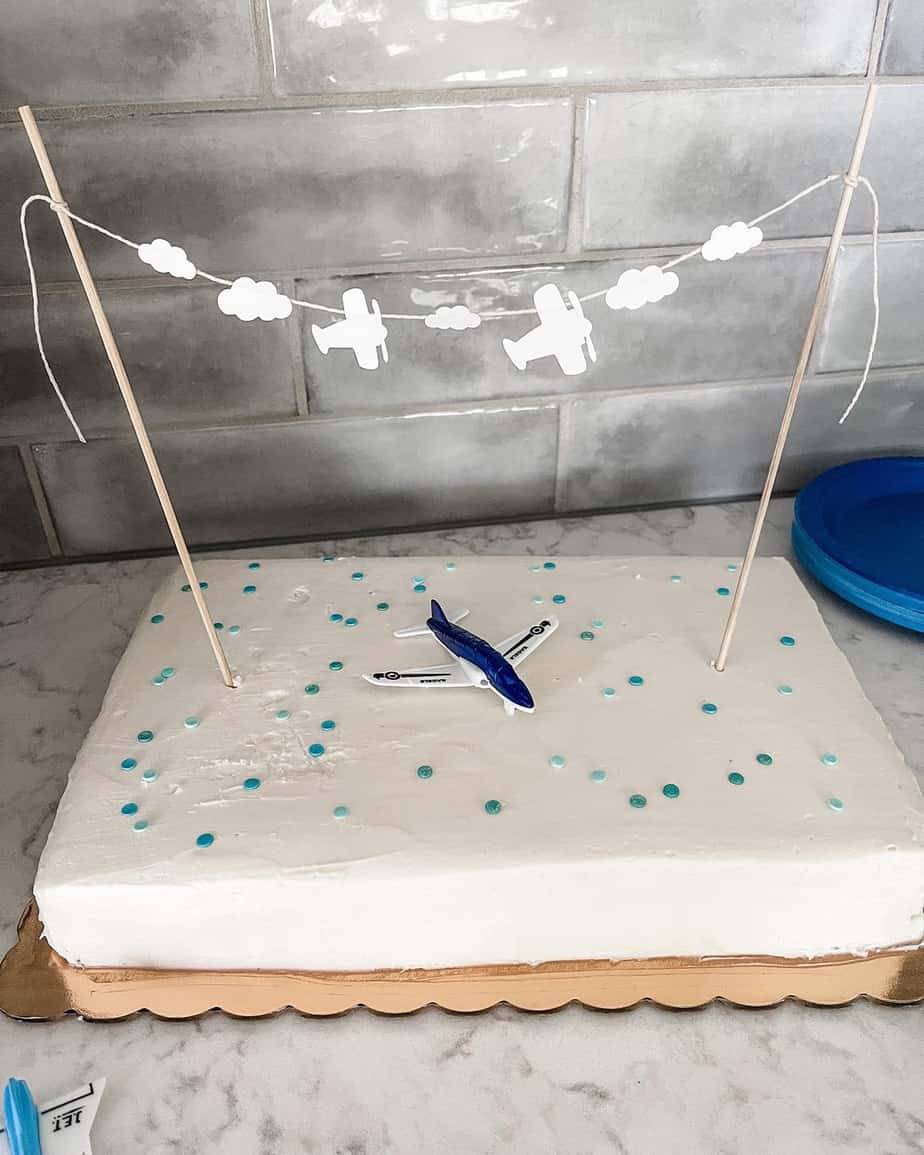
x: 22, y: 1119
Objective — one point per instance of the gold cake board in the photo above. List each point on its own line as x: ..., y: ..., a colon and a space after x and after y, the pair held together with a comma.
x: 37, y: 984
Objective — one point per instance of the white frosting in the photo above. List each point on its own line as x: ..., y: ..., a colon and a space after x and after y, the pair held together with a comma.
x: 418, y: 874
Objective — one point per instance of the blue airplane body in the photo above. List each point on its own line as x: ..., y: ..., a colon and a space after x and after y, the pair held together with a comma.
x: 493, y: 664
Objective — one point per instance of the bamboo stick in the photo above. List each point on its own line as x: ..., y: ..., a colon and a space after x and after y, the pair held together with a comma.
x: 128, y: 395
x: 821, y: 296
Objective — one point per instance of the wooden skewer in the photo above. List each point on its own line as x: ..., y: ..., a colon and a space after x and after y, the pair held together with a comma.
x: 821, y: 296
x: 128, y: 395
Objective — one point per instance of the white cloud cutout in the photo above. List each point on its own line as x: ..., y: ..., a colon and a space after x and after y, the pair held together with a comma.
x: 637, y: 287
x: 248, y: 300
x: 167, y: 258
x: 453, y: 317
x: 728, y: 241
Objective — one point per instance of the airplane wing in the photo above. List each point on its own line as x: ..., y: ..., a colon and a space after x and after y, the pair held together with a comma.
x: 521, y: 645
x: 449, y: 675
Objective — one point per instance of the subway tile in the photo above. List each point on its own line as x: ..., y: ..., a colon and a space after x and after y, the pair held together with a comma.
x: 21, y: 535
x: 903, y: 48
x: 300, y: 188
x: 118, y: 51
x: 402, y: 44
x: 712, y: 443
x: 844, y: 340
x: 187, y: 362
x: 743, y: 318
x: 667, y: 167
x: 305, y: 478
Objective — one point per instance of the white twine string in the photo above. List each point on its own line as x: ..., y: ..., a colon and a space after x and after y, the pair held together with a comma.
x: 874, y: 336
x: 496, y: 314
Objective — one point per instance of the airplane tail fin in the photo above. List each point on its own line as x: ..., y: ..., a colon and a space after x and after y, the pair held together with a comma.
x: 437, y: 613
x: 510, y: 348
x: 320, y: 340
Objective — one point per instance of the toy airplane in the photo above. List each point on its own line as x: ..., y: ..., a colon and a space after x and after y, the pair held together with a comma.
x: 360, y: 330
x: 59, y: 1127
x: 477, y: 663
x: 561, y: 333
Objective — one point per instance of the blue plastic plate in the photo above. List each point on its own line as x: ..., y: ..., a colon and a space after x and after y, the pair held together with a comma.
x: 859, y: 529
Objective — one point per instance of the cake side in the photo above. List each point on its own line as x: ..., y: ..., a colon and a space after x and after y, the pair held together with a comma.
x: 417, y: 872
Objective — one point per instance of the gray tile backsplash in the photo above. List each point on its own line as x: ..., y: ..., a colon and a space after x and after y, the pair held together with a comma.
x: 903, y: 49
x: 403, y: 44
x: 21, y: 535
x: 305, y: 478
x: 727, y: 321
x: 187, y: 362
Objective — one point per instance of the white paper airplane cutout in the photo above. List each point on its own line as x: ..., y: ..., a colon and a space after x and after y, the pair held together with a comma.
x: 360, y: 330
x: 561, y: 333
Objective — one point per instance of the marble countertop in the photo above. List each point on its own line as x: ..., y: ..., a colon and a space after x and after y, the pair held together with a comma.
x: 718, y: 1080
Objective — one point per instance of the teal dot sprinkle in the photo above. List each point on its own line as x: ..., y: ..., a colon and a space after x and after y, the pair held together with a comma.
x: 312, y: 688
x: 416, y: 579
x: 340, y: 811
x: 328, y: 557
x: 735, y: 778
x: 315, y: 749
x: 598, y: 775
x: 829, y: 759
x: 252, y: 783
x: 253, y: 565
x: 203, y: 585
x: 357, y: 576
x: 598, y: 623
x: 636, y: 680
x: 249, y: 590
x: 548, y: 565
x: 709, y: 708
x: 158, y: 680
x: 559, y: 599
x: 537, y: 600
x: 130, y: 808
x: 835, y: 804
x: 787, y: 640
x: 204, y: 840
x: 335, y: 666
x: 149, y: 775
x: 145, y: 735
x: 723, y: 591
x: 282, y: 715
x: 608, y: 692
x: 535, y: 568
x: 425, y: 771
x: 450, y: 565
x: 557, y: 762
x: 186, y: 588
x: 351, y: 622
x: 234, y: 629
x: 638, y: 801
x: 587, y: 635
x: 156, y: 619
x: 732, y: 567
x: 140, y: 825
x: 670, y: 790
x: 191, y: 722
x: 784, y: 690
x: 765, y: 759
x: 420, y: 588
x: 167, y: 672
x: 492, y: 806
x: 383, y: 606
x: 675, y: 577
x: 218, y: 625
x: 328, y: 724
x: 336, y: 618
x: 128, y: 763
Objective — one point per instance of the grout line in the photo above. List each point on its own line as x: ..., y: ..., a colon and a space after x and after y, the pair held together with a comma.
x: 297, y: 355
x: 561, y: 450
x: 877, y: 39
x: 40, y: 499
x: 266, y: 46
x: 575, y: 228
x: 454, y: 266
x: 502, y: 404
x: 404, y: 99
